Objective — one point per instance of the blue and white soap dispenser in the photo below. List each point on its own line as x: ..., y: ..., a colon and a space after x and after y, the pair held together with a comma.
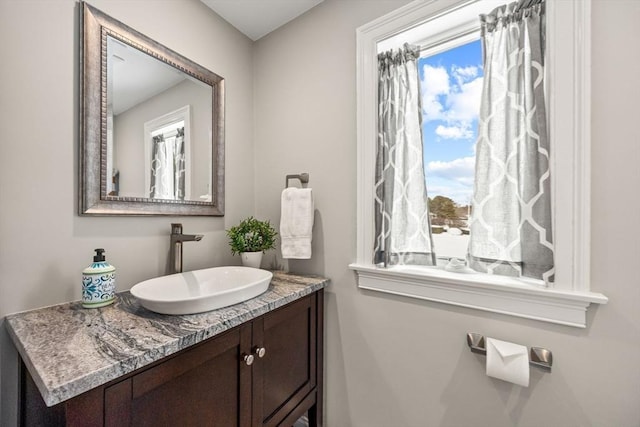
x: 98, y: 282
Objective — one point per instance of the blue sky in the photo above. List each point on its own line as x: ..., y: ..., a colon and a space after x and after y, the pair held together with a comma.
x: 451, y: 84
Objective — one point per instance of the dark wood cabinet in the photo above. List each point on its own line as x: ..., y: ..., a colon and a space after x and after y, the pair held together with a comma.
x: 205, y: 382
x: 265, y: 372
x: 288, y: 371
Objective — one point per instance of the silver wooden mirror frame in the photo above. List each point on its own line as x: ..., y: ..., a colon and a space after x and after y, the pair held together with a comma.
x: 93, y: 196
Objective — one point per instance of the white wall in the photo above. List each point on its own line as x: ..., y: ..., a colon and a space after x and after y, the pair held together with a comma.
x: 44, y: 244
x: 394, y: 361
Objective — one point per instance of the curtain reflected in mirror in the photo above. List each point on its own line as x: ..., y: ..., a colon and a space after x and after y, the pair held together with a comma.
x: 167, y: 166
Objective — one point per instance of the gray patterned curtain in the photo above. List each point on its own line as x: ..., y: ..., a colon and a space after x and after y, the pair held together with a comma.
x: 511, y: 220
x: 179, y: 165
x: 168, y: 167
x: 402, y: 226
x: 158, y: 160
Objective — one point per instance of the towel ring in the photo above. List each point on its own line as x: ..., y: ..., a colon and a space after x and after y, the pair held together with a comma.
x: 303, y: 177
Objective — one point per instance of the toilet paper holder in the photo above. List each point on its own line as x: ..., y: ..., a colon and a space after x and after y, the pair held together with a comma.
x: 538, y: 356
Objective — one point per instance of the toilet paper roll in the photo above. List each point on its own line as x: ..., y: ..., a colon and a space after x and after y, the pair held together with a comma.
x: 508, y: 362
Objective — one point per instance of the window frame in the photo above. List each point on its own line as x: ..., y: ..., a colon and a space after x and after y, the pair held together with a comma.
x: 569, y: 61
x: 182, y: 114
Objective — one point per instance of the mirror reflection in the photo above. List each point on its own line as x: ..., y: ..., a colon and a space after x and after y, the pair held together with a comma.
x: 158, y: 128
x: 152, y: 126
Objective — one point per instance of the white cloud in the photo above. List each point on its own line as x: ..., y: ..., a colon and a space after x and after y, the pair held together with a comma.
x: 436, y: 80
x: 464, y: 74
x: 434, y: 84
x: 452, y: 179
x: 462, y: 131
x: 464, y: 104
x: 453, y: 97
x: 458, y: 170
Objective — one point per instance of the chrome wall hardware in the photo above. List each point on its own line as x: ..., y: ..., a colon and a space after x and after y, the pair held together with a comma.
x: 538, y: 356
x: 303, y: 177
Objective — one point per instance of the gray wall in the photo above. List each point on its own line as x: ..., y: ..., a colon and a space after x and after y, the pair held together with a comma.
x: 44, y: 244
x: 129, y: 137
x: 394, y: 361
x: 390, y: 361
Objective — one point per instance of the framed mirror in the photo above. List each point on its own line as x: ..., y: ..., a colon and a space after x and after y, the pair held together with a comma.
x: 152, y: 126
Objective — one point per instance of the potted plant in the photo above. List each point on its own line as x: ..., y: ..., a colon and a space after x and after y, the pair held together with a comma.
x: 250, y: 239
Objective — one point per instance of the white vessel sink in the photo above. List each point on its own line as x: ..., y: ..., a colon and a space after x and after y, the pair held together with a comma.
x: 201, y: 290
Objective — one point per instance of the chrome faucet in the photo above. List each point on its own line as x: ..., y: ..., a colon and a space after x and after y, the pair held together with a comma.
x: 175, y: 249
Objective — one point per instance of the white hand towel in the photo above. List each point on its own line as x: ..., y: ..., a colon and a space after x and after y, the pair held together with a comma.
x: 296, y: 222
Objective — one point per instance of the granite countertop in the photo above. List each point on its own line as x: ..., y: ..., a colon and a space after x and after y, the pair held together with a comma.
x: 69, y: 349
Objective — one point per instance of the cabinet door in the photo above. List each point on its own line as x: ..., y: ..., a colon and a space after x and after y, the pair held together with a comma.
x: 286, y: 374
x: 207, y: 385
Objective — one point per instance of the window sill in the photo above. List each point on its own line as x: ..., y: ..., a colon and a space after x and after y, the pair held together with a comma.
x: 502, y: 295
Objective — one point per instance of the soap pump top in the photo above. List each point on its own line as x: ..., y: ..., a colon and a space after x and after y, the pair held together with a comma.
x: 100, y: 264
x: 99, y: 256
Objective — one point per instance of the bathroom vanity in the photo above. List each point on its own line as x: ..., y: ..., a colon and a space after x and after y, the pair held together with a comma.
x: 258, y: 363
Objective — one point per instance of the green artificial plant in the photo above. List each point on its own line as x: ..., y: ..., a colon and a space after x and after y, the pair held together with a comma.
x: 252, y: 235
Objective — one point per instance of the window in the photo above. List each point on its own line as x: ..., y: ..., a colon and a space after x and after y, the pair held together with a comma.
x: 451, y: 85
x: 568, y: 98
x: 168, y: 155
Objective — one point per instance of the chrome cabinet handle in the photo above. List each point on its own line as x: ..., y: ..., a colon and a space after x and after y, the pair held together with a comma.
x: 248, y: 359
x: 260, y: 351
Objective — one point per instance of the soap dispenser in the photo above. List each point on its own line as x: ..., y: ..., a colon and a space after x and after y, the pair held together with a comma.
x: 98, y: 282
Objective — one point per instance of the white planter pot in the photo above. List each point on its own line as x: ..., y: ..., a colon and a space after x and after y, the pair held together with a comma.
x: 251, y: 259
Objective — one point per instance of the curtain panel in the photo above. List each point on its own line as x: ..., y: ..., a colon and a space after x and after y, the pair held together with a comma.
x: 168, y: 166
x: 179, y: 165
x: 158, y: 164
x: 511, y: 225
x: 402, y: 225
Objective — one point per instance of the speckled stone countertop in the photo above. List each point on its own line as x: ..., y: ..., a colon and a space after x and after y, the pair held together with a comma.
x: 69, y: 350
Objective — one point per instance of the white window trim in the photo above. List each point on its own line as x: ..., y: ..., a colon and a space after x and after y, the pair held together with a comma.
x: 568, y: 25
